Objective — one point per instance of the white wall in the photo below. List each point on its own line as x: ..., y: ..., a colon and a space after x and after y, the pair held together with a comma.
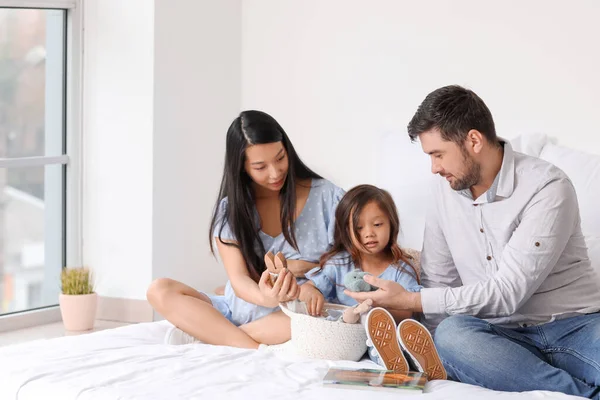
x: 197, y: 95
x: 117, y: 141
x: 338, y: 74
x: 162, y: 84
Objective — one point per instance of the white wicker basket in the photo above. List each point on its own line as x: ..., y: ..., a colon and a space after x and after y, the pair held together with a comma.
x: 329, y: 340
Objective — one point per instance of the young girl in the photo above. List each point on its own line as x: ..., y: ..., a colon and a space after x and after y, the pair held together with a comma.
x: 268, y: 201
x: 366, y: 233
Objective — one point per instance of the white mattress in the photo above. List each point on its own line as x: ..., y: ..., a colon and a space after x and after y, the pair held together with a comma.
x: 132, y: 363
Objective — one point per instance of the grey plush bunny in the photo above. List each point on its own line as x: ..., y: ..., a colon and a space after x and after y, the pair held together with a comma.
x: 354, y: 282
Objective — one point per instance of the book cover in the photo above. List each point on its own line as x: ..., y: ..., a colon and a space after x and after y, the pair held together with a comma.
x: 374, y: 379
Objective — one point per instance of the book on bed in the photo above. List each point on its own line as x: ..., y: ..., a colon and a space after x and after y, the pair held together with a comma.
x: 374, y: 379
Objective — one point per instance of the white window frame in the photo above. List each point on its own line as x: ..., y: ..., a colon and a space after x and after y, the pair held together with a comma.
x: 73, y: 162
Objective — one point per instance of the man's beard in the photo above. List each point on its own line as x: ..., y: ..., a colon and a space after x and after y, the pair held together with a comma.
x: 471, y: 177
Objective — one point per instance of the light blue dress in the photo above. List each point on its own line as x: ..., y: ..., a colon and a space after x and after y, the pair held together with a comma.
x: 314, y: 234
x: 330, y: 281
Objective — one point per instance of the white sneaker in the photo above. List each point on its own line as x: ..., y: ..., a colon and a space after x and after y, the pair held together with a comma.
x: 416, y: 341
x: 176, y: 336
x: 381, y: 334
x: 373, y: 354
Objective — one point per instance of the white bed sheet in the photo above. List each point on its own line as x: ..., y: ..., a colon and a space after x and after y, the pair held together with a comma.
x: 132, y: 362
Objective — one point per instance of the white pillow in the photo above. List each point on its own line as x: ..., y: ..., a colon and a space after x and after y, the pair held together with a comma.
x: 593, y: 243
x: 584, y: 171
x: 531, y: 143
x: 405, y: 171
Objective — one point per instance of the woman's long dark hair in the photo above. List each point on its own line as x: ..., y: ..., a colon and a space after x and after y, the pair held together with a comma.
x: 349, y: 209
x: 251, y: 128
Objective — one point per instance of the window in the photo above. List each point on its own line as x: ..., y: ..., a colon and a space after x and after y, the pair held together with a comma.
x: 36, y: 158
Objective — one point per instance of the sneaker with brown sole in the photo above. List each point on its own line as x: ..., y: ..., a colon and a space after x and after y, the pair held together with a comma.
x: 381, y: 331
x: 416, y: 340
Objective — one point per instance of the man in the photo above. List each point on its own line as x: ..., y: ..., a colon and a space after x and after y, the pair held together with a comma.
x: 504, y: 259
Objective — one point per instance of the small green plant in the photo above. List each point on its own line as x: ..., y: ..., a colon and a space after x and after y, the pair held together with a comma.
x: 76, y: 281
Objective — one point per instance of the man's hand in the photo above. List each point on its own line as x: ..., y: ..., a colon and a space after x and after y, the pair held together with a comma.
x: 285, y: 288
x: 389, y: 295
x: 313, y: 298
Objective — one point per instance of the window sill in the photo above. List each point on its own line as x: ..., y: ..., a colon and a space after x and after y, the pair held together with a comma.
x: 30, y: 319
x: 50, y: 331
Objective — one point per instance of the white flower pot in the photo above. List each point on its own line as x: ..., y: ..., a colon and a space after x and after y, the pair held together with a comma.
x: 78, y: 311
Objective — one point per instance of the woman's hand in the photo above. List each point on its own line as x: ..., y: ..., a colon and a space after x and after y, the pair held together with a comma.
x: 285, y: 288
x: 313, y: 298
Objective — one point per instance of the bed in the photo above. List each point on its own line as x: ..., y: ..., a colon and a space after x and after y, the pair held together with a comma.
x: 132, y: 362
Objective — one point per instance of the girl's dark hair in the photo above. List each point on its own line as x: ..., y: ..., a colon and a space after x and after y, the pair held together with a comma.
x: 349, y: 209
x: 252, y: 128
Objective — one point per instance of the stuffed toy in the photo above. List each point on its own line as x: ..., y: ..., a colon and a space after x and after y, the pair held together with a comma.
x: 352, y: 314
x: 275, y: 263
x: 354, y: 282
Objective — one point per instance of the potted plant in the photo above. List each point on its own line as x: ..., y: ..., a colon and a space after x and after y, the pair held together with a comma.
x: 77, y: 299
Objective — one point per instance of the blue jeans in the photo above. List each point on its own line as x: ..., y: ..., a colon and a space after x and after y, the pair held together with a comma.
x: 561, y: 356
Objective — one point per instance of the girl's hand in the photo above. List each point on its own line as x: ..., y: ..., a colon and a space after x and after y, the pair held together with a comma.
x: 313, y: 298
x: 285, y: 288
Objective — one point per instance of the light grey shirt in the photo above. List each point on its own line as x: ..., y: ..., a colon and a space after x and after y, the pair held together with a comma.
x: 515, y: 256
